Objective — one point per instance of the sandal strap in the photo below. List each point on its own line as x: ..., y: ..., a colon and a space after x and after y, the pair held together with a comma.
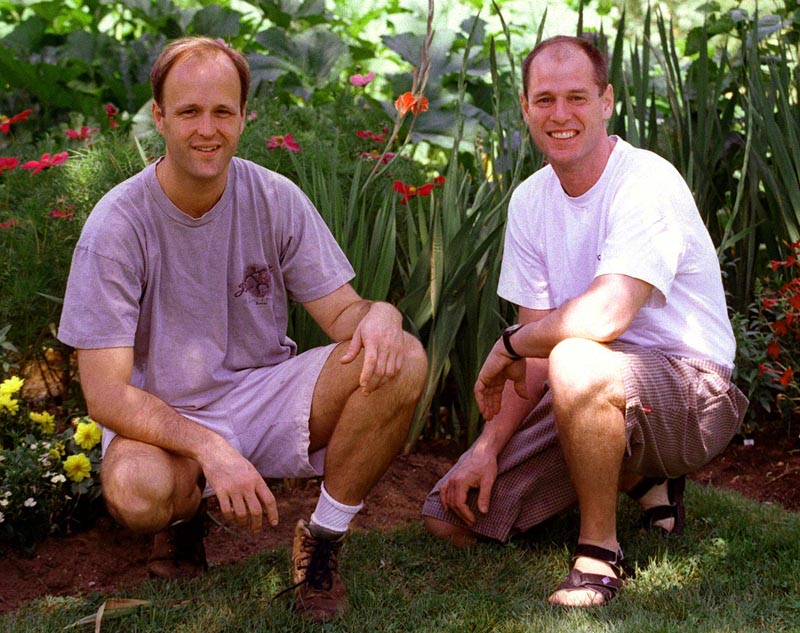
x: 644, y: 486
x: 606, y: 586
x: 614, y: 559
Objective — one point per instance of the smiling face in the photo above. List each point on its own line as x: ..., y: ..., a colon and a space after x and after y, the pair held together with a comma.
x: 201, y: 119
x: 566, y: 114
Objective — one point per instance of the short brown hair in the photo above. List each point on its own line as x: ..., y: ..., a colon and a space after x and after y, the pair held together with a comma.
x: 598, y: 59
x: 196, y: 46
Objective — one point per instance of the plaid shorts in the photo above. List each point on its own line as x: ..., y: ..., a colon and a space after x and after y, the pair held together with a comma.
x: 680, y: 413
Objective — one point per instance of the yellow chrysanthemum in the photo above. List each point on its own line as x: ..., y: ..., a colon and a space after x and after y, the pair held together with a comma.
x: 8, y: 403
x: 11, y: 385
x: 87, y: 435
x: 78, y: 467
x: 44, y: 419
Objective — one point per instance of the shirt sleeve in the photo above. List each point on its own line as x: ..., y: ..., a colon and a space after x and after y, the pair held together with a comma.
x: 523, y: 276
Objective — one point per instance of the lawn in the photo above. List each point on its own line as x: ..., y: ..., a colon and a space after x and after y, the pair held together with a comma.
x: 736, y: 569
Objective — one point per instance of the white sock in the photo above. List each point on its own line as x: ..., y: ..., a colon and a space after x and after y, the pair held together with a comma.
x: 331, y: 515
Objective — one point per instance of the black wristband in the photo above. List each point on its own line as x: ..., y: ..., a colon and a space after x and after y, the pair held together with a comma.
x: 507, y: 333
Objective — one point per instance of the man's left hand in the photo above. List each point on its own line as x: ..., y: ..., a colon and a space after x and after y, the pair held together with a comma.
x: 380, y: 334
x: 497, y: 369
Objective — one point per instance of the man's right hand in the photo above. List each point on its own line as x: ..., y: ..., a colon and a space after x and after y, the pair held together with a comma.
x: 243, y: 495
x: 478, y: 470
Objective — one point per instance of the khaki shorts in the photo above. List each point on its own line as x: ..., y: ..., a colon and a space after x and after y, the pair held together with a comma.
x: 266, y: 416
x: 680, y: 413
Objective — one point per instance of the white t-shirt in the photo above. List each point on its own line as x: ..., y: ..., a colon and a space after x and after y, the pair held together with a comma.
x: 639, y: 220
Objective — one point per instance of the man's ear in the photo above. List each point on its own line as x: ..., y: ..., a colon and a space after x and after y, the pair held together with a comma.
x: 523, y: 102
x: 158, y: 115
x: 244, y: 117
x: 608, y: 102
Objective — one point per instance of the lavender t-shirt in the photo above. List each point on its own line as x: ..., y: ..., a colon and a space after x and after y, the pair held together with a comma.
x: 199, y: 300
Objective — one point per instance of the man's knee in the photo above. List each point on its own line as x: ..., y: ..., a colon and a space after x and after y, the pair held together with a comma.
x: 142, y: 485
x: 457, y: 535
x: 415, y: 367
x: 581, y: 371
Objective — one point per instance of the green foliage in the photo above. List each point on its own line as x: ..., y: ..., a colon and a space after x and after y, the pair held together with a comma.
x: 721, y: 105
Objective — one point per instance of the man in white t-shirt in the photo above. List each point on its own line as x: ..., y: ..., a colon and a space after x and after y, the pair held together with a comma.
x: 177, y: 304
x: 617, y: 375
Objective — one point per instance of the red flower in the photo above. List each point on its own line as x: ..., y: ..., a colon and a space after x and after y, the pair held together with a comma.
x: 46, y: 161
x: 786, y: 376
x: 408, y: 102
x: 439, y: 181
x: 9, y: 224
x: 780, y: 327
x: 768, y: 303
x: 81, y: 135
x: 283, y: 142
x: 5, y: 123
x: 409, y: 191
x: 111, y: 110
x: 372, y: 136
x: 774, y: 349
x: 7, y: 163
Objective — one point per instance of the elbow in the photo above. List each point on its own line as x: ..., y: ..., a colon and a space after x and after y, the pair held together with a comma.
x: 610, y: 328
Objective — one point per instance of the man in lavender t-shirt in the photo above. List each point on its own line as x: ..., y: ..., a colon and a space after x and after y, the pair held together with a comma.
x: 177, y: 304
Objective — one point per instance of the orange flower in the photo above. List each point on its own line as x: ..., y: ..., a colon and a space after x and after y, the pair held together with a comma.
x: 408, y: 102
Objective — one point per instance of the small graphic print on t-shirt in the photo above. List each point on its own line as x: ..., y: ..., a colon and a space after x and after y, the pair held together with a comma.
x: 256, y: 283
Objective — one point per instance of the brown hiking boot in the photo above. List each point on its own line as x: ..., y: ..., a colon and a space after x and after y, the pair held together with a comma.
x: 319, y: 593
x: 178, y: 551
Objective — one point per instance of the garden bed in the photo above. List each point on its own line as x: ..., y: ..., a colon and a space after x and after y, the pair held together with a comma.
x: 107, y: 559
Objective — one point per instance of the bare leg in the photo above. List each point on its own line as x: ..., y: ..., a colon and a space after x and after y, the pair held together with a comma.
x: 362, y: 433
x: 589, y: 405
x: 147, y: 488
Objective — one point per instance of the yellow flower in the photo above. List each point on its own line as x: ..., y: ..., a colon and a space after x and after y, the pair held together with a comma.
x: 78, y: 467
x: 88, y: 434
x: 8, y: 403
x: 45, y: 419
x: 11, y: 385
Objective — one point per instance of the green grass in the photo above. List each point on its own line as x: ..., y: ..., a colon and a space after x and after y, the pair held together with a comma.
x: 736, y: 569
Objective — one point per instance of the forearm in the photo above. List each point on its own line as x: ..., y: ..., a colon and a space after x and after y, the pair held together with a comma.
x: 139, y: 415
x: 601, y: 314
x: 346, y: 323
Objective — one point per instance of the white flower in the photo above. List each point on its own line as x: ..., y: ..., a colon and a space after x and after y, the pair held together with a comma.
x: 2, y: 517
x: 58, y: 479
x: 3, y: 502
x: 29, y: 502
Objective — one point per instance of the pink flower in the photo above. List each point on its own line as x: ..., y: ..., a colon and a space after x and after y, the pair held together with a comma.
x: 46, y: 161
x: 7, y: 163
x: 376, y: 156
x: 9, y: 224
x: 362, y: 80
x: 283, y: 142
x: 5, y: 123
x: 253, y: 115
x: 111, y: 110
x: 81, y: 135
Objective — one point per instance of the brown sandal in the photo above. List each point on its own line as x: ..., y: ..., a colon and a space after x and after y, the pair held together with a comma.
x: 606, y: 586
x: 675, y: 509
